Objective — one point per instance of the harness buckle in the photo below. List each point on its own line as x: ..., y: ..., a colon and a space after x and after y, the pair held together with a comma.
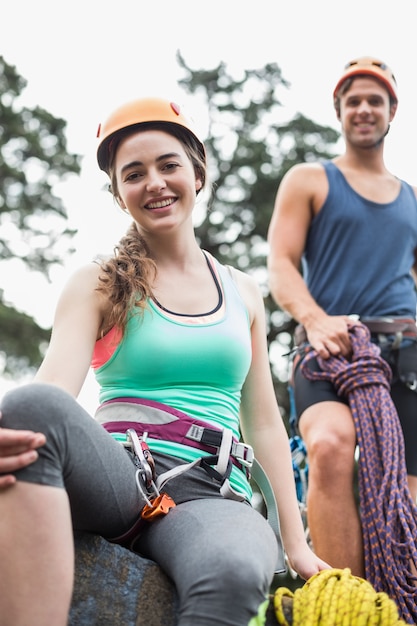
x: 243, y: 453
x: 196, y: 432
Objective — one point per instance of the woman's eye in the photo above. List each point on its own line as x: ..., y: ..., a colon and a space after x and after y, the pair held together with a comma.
x: 133, y: 176
x: 171, y: 166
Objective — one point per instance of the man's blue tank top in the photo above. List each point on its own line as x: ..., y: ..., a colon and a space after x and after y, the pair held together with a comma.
x: 359, y: 253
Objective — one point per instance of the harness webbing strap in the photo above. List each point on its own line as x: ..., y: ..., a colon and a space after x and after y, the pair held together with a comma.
x: 262, y: 480
x: 224, y: 453
x: 163, y: 422
x: 163, y: 478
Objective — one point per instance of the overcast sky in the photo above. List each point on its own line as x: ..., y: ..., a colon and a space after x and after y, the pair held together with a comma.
x: 81, y: 60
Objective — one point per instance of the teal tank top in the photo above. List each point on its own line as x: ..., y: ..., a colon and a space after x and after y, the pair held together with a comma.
x: 198, y: 369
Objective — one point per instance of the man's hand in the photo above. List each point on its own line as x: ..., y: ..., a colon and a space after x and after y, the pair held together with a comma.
x: 329, y: 335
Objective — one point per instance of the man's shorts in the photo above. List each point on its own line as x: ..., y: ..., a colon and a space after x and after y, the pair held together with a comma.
x: 403, y: 363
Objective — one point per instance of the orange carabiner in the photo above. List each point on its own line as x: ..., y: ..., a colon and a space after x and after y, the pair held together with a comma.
x: 159, y: 506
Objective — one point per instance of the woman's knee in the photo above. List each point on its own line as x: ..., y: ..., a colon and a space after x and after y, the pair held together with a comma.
x: 248, y: 565
x: 237, y: 585
x: 35, y: 406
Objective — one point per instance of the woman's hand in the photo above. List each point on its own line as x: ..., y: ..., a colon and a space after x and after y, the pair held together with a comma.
x: 17, y: 449
x: 306, y: 563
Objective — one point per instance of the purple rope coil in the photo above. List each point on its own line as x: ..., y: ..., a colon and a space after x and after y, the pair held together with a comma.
x: 388, y: 513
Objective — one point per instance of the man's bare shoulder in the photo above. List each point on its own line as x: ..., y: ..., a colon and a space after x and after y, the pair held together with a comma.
x: 305, y: 178
x: 313, y: 166
x: 305, y: 171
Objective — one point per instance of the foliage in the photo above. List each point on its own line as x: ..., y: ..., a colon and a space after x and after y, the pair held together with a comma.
x: 249, y: 153
x: 33, y: 158
x: 22, y: 345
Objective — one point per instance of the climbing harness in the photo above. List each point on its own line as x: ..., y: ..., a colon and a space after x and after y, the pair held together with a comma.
x: 388, y: 513
x: 161, y: 421
x: 138, y: 418
x: 383, y: 327
x: 333, y: 597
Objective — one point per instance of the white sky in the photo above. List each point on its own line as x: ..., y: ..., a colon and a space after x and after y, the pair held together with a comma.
x: 81, y: 60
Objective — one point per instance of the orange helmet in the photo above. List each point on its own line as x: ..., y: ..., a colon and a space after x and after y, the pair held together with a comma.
x: 371, y: 67
x: 139, y: 112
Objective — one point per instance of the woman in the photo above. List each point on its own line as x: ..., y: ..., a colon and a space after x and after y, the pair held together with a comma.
x: 173, y: 334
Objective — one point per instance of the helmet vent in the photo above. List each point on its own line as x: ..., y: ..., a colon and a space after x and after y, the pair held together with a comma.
x: 175, y: 108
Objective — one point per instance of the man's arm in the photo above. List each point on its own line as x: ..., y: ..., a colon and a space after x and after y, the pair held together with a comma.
x: 299, y: 198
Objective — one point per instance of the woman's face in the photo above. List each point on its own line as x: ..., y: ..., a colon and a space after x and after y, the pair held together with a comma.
x: 156, y: 181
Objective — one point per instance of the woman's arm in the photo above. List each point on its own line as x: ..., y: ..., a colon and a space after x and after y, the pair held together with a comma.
x: 78, y: 320
x: 263, y: 428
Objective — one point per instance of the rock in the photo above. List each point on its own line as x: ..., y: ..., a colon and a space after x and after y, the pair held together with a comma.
x: 287, y: 604
x: 116, y: 587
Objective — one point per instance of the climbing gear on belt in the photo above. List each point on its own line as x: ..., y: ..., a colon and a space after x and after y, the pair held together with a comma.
x: 299, y: 466
x: 391, y: 331
x: 333, y: 597
x: 147, y: 418
x: 398, y: 327
x: 388, y: 513
x: 156, y: 503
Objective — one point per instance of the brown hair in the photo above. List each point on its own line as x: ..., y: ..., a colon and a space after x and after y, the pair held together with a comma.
x: 346, y: 85
x: 126, y: 278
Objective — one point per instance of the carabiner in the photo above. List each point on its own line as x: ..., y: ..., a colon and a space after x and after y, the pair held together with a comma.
x: 146, y: 469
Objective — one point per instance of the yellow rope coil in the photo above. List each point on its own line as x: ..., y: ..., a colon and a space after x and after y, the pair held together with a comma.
x: 334, y: 597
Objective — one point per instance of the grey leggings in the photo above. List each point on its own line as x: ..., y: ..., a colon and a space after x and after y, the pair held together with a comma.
x: 220, y: 553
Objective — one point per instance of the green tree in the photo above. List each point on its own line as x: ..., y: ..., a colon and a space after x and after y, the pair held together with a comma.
x: 33, y: 158
x: 249, y: 154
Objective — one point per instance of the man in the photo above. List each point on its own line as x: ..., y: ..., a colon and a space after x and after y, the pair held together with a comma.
x: 350, y: 226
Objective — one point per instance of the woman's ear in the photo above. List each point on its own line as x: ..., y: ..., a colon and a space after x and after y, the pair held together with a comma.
x: 198, y: 184
x: 120, y: 203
